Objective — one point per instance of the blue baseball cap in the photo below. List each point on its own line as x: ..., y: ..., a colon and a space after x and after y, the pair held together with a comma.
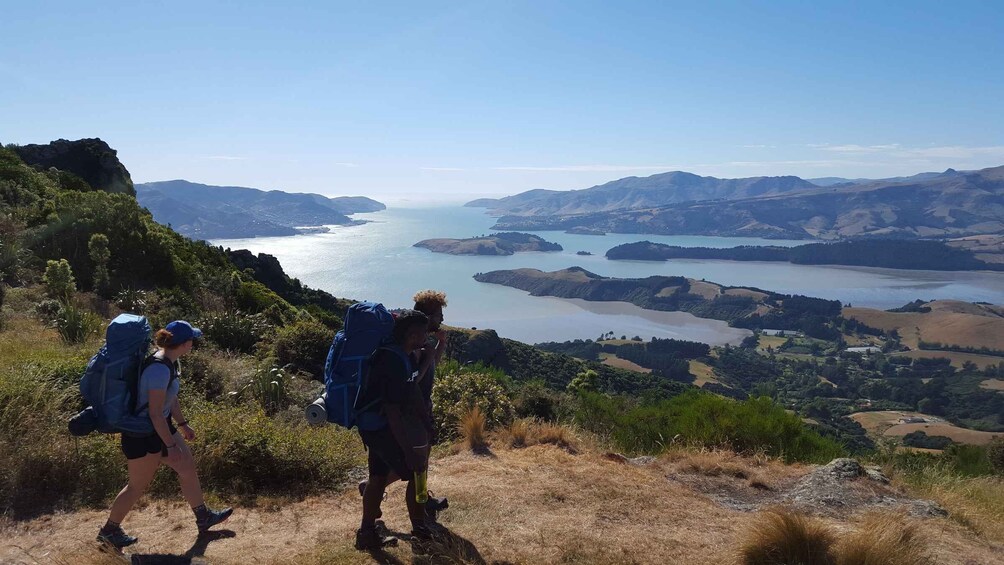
x: 182, y: 331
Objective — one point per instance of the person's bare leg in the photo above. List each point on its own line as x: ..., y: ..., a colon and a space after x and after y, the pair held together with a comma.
x: 416, y: 510
x: 188, y: 476
x: 372, y: 497
x: 141, y: 473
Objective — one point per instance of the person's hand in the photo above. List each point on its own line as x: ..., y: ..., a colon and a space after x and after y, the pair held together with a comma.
x: 187, y: 432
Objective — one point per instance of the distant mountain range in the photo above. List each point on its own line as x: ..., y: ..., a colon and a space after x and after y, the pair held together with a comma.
x: 640, y: 192
x: 948, y: 204
x: 217, y: 212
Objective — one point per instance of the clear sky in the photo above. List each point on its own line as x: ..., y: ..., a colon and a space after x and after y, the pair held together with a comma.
x: 458, y: 99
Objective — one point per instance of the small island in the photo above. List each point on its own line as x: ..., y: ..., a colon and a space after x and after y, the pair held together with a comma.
x: 506, y: 243
x: 583, y: 230
x: 583, y: 253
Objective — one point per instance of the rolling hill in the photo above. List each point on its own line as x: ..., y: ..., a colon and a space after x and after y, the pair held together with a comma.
x: 207, y: 212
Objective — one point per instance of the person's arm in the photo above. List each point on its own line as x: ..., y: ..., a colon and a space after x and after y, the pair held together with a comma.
x: 157, y: 397
x: 186, y: 431
x: 440, y: 344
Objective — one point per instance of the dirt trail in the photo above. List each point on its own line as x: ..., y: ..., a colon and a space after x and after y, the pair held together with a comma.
x: 534, y: 505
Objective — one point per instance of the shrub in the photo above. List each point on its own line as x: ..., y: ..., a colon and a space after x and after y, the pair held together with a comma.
x: 995, y: 453
x: 783, y: 537
x: 202, y: 373
x: 886, y: 539
x: 536, y: 400
x: 270, y: 388
x: 304, y: 345
x: 76, y: 325
x: 248, y: 453
x: 58, y: 278
x: 131, y: 300
x: 97, y: 248
x: 234, y: 330
x: 459, y: 389
x: 703, y: 419
x: 472, y: 429
x: 47, y: 310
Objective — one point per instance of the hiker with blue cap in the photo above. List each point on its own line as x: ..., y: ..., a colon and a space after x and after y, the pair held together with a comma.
x: 157, y: 396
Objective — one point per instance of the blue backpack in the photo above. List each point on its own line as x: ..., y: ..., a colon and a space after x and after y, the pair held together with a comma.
x: 368, y: 326
x: 109, y: 384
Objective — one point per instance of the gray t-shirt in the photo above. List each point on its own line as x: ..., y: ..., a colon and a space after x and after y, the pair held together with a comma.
x: 156, y: 377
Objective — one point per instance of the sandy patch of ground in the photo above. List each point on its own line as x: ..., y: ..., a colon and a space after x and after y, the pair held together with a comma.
x: 993, y: 384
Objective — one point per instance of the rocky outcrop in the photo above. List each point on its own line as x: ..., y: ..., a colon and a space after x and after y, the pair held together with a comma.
x: 844, y: 486
x: 90, y: 159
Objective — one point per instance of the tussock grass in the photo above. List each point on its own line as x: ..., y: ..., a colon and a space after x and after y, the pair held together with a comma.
x: 472, y: 429
x: 557, y: 434
x: 783, y: 537
x: 975, y: 502
x: 519, y: 432
x: 883, y: 539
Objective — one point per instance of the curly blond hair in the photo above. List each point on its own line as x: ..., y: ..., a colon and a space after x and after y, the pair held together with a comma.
x: 426, y: 300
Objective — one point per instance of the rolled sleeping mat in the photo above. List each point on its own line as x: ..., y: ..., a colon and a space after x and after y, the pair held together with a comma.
x: 315, y: 413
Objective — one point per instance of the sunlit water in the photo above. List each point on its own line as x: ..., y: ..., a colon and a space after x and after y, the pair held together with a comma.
x: 376, y: 261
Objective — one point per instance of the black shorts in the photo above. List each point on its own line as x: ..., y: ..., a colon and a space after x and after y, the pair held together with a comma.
x: 139, y: 447
x: 385, y: 454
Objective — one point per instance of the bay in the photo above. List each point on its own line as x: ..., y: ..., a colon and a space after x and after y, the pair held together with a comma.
x: 377, y: 261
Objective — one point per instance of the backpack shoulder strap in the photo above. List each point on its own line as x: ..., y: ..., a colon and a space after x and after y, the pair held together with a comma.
x: 150, y: 360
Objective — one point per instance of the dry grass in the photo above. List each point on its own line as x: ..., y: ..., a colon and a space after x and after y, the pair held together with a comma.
x: 538, y: 505
x: 519, y: 432
x: 949, y: 321
x: 884, y: 539
x: 961, y: 435
x: 612, y: 360
x: 783, y: 537
x: 993, y: 384
x: 528, y: 431
x: 556, y: 434
x: 957, y: 358
x: 977, y: 502
x: 472, y: 430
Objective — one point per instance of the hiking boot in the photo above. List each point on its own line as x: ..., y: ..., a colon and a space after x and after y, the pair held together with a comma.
x: 116, y: 537
x: 435, y: 505
x: 372, y: 539
x: 209, y: 518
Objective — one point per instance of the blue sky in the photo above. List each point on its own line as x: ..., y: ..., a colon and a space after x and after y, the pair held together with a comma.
x: 458, y: 99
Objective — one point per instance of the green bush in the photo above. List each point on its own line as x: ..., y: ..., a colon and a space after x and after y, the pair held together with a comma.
x: 707, y: 420
x: 457, y: 389
x: 535, y: 400
x: 234, y: 330
x: 201, y: 374
x: 131, y: 300
x: 244, y: 453
x: 995, y: 453
x: 58, y: 278
x: 76, y: 325
x: 303, y: 344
